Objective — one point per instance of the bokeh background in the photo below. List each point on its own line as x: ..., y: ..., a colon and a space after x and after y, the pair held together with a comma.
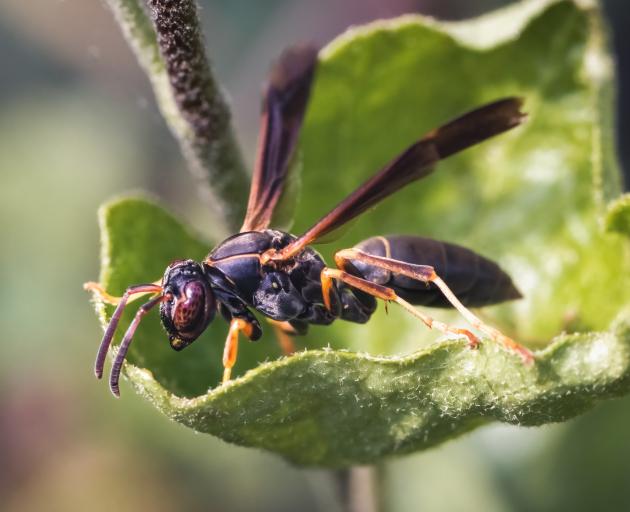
x: 78, y: 124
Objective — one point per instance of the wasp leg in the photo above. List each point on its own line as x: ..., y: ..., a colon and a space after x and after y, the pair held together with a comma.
x: 283, y: 331
x: 387, y: 294
x: 427, y: 274
x: 231, y: 344
x: 100, y: 292
x: 423, y: 273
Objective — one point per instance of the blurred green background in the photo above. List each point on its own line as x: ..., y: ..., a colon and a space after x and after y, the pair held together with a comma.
x: 78, y: 125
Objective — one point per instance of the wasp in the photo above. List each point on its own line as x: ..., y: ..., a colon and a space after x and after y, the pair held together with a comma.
x: 282, y: 277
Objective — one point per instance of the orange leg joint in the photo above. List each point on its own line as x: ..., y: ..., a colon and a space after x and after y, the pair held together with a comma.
x: 231, y: 345
x: 377, y: 290
x: 282, y: 331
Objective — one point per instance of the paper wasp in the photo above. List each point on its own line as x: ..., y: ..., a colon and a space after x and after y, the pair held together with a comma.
x: 282, y: 277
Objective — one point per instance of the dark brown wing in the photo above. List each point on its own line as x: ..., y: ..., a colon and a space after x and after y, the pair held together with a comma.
x: 414, y: 163
x: 284, y: 105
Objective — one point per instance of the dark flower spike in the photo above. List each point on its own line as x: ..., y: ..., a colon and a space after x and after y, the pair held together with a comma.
x: 113, y: 323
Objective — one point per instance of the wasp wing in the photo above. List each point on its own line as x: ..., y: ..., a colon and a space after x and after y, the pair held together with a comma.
x: 414, y: 163
x: 284, y: 104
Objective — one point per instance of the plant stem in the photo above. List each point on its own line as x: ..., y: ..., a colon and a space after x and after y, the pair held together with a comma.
x: 359, y: 489
x: 169, y: 46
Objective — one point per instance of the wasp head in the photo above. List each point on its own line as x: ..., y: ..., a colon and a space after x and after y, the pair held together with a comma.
x: 189, y: 304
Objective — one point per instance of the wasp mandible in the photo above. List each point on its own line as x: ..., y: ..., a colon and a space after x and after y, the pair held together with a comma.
x: 282, y: 277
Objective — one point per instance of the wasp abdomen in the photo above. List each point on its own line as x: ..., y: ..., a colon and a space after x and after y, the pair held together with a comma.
x: 476, y: 280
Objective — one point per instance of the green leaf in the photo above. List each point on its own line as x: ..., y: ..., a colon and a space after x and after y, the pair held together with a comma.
x: 341, y: 408
x: 532, y: 199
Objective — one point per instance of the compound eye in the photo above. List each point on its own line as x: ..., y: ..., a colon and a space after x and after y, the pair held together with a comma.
x: 189, y: 306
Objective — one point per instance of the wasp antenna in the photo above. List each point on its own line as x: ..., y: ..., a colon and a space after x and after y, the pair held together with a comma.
x: 113, y: 323
x: 124, y: 345
x: 107, y: 337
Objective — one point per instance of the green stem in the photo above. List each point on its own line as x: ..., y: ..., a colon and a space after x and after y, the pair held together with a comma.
x: 359, y: 488
x: 169, y: 46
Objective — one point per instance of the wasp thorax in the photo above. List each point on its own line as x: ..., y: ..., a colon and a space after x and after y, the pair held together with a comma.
x: 190, y: 304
